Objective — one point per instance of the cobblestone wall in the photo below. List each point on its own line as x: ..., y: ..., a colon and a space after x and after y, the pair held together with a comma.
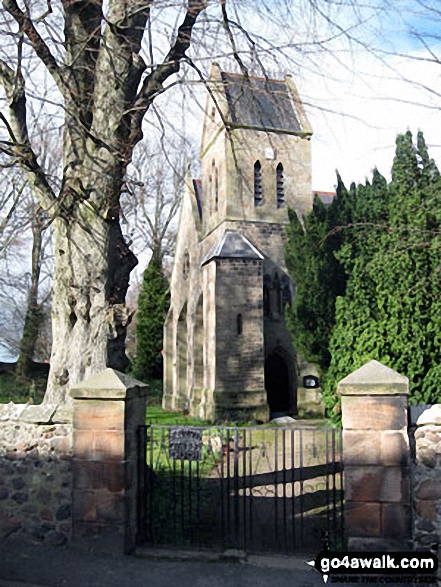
x: 427, y: 479
x: 35, y: 475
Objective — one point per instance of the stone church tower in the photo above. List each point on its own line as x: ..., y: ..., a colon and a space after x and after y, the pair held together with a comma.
x: 228, y: 353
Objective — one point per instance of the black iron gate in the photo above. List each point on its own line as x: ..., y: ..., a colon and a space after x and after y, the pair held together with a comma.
x: 261, y: 489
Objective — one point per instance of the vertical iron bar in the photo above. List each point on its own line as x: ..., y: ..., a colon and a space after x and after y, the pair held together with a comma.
x: 222, y: 488
x: 250, y: 483
x: 293, y: 488
x: 174, y: 504
x: 285, y: 545
x: 236, y: 489
x: 276, y: 489
x: 182, y: 501
x: 227, y: 430
x: 151, y: 485
x: 328, y: 516
x: 342, y: 497
x: 334, y: 493
x: 198, y: 498
x: 190, y: 504
x: 301, y: 485
x: 244, y: 487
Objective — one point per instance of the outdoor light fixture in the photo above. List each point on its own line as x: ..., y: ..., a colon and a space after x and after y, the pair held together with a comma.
x: 310, y: 381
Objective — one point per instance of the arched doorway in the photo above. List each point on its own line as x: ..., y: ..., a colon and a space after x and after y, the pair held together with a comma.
x: 277, y: 385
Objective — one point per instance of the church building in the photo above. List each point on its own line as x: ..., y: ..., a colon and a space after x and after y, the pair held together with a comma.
x: 227, y: 351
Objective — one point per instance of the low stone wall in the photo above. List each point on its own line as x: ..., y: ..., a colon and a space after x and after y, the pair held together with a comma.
x: 35, y: 474
x: 427, y: 479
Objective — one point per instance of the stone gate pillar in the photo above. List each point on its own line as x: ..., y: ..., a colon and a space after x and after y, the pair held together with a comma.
x: 108, y: 409
x: 376, y: 458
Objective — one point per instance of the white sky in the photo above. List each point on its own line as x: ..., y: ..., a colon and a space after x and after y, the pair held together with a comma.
x: 375, y: 107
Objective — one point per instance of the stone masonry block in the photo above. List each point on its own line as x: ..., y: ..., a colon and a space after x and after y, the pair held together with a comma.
x: 111, y: 475
x: 374, y: 412
x: 396, y: 520
x: 83, y: 441
x: 361, y: 448
x: 430, y: 490
x: 363, y: 519
x: 395, y: 448
x: 110, y: 506
x: 376, y: 484
x: 84, y: 504
x: 426, y: 509
x: 99, y: 415
x: 107, y: 445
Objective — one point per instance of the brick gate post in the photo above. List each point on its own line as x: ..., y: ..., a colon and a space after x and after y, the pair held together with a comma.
x: 108, y: 409
x: 376, y: 458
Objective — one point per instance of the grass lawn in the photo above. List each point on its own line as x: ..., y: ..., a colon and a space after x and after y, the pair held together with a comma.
x: 156, y: 415
x: 21, y: 391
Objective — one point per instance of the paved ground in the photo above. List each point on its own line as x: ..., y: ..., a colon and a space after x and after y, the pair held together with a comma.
x: 33, y: 565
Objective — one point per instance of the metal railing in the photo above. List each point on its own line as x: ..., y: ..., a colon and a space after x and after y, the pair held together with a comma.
x: 261, y: 489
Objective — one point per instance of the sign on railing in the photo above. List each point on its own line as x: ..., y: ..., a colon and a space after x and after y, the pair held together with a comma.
x: 185, y: 444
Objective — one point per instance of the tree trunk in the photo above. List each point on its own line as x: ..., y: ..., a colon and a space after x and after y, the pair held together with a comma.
x: 33, y: 316
x: 89, y: 316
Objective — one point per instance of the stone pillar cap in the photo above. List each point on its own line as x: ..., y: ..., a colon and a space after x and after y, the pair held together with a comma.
x: 374, y: 378
x: 109, y: 384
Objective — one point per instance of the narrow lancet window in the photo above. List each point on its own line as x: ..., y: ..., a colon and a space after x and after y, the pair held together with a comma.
x: 280, y: 187
x: 216, y: 189
x: 239, y: 324
x: 258, y: 191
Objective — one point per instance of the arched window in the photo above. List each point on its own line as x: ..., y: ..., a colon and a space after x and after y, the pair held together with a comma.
x: 266, y: 295
x: 280, y: 188
x: 258, y: 191
x: 239, y: 324
x: 277, y: 295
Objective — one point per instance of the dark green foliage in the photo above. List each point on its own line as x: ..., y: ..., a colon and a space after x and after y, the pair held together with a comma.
x: 153, y: 304
x: 318, y: 276
x: 390, y: 253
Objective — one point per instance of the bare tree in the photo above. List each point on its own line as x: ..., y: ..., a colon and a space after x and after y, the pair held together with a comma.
x: 25, y: 258
x: 109, y: 68
x: 154, y: 189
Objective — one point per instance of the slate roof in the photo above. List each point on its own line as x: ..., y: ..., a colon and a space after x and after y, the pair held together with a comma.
x: 232, y: 245
x: 260, y: 103
x: 326, y: 197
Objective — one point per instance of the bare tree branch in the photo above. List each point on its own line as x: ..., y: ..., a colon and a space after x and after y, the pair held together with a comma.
x: 153, y: 83
x: 14, y: 87
x: 26, y: 26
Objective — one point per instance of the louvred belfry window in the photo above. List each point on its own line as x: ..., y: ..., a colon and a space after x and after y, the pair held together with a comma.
x: 280, y: 187
x: 258, y: 191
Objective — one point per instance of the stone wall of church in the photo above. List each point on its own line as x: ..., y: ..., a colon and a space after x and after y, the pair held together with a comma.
x: 186, y: 288
x: 239, y: 340
x: 239, y: 326
x: 228, y: 177
x: 270, y: 149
